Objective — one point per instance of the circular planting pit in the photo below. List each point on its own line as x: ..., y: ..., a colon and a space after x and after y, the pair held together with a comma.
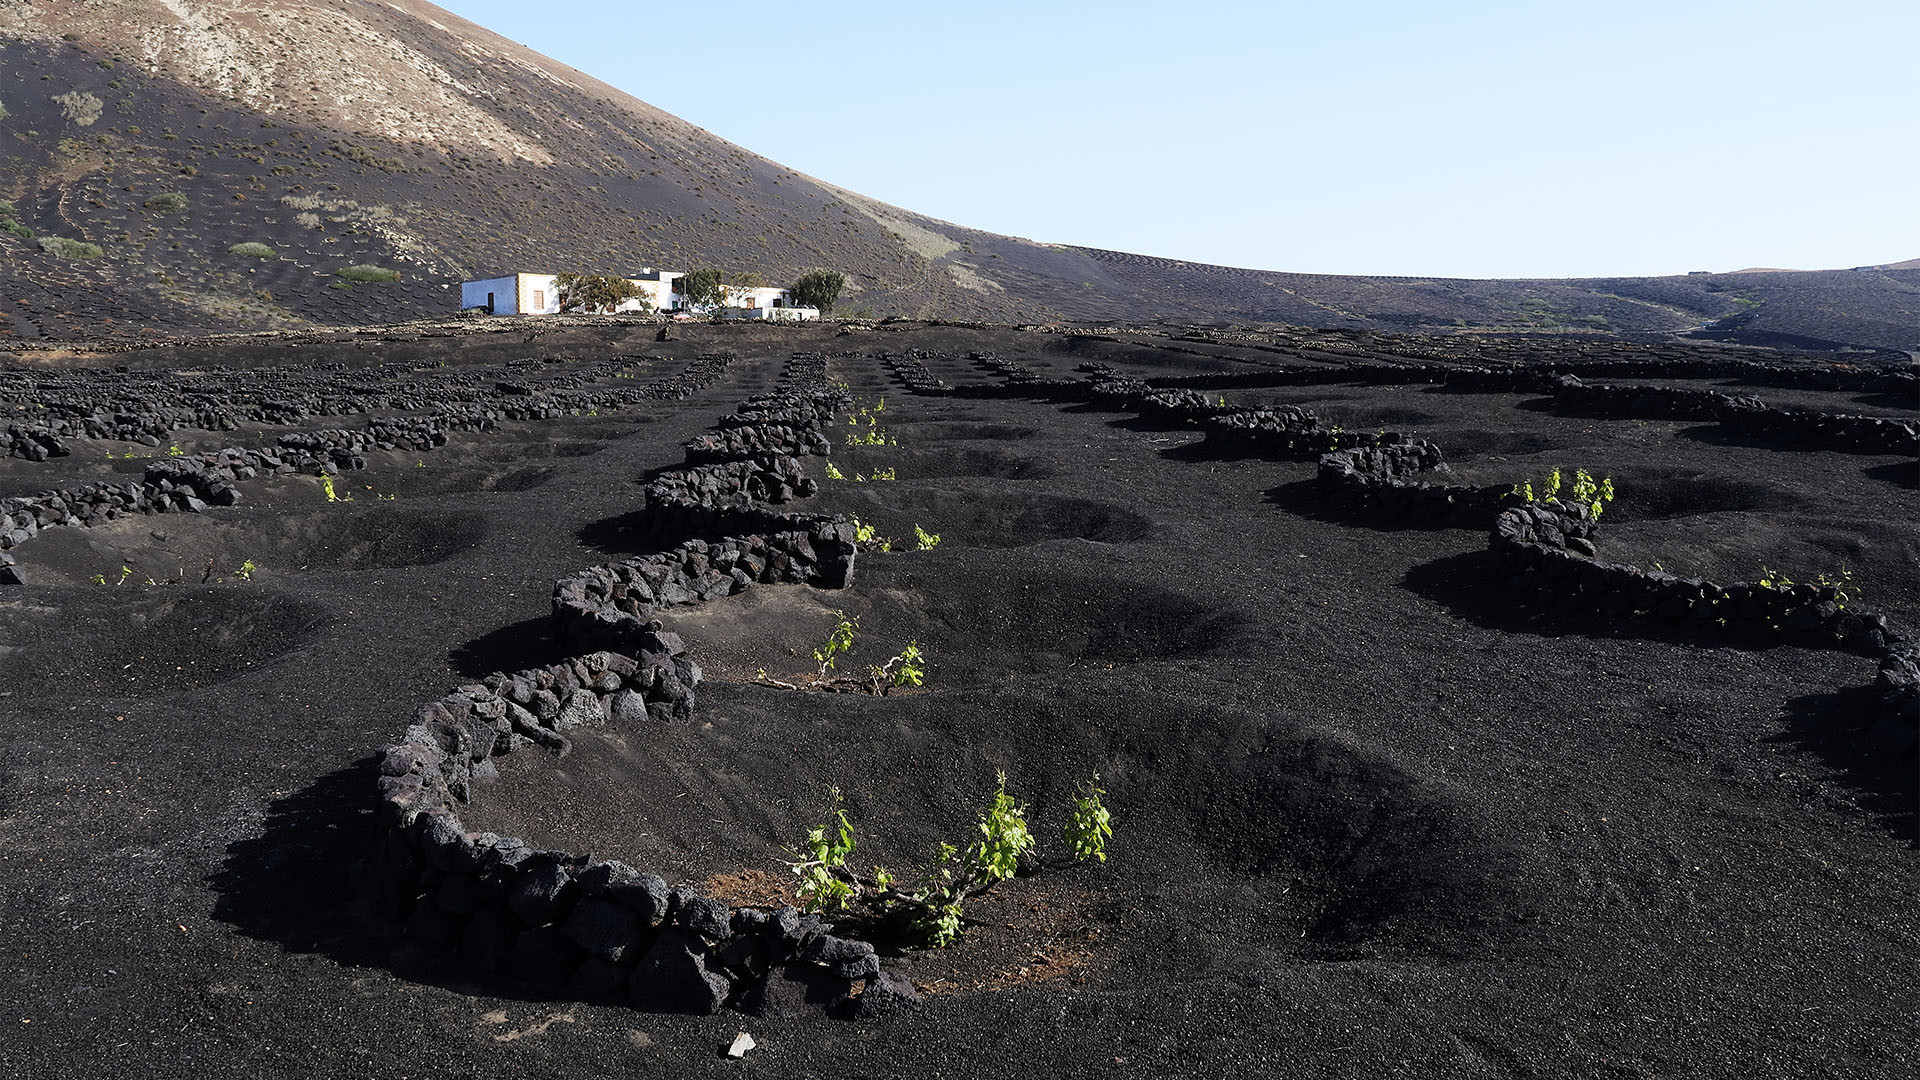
x: 1302, y: 843
x: 950, y: 430
x: 1009, y: 618
x: 535, y: 451
x: 135, y: 640
x: 982, y: 519
x: 612, y: 428
x: 1372, y: 847
x: 1040, y: 620
x: 1799, y: 546
x: 518, y: 480
x: 436, y: 476
x: 1658, y: 494
x: 938, y: 463
x: 1388, y: 416
x: 366, y: 537
x: 1475, y: 443
x: 178, y: 548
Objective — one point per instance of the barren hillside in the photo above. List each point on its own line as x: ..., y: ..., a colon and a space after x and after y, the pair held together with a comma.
x: 396, y: 135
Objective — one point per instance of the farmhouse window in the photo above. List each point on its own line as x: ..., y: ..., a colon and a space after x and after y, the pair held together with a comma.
x: 539, y: 299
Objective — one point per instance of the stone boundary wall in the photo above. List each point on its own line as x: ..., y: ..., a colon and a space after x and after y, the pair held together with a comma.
x: 1388, y: 475
x: 190, y: 483
x: 1896, y: 382
x: 753, y: 437
x: 1382, y: 484
x: 48, y: 411
x: 1544, y: 549
x: 600, y: 929
x: 737, y: 544
x: 1480, y: 380
x: 36, y: 443
x: 1404, y: 483
x: 1284, y: 432
x: 805, y: 372
x: 1745, y: 415
x: 911, y: 370
x: 1433, y: 359
x: 1548, y: 550
x: 767, y: 479
x: 612, y: 606
x: 1288, y: 433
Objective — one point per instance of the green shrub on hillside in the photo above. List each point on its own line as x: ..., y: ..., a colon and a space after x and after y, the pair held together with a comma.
x: 80, y: 108
x: 9, y: 223
x: 367, y: 272
x: 170, y: 203
x: 252, y: 249
x: 360, y: 155
x: 69, y: 249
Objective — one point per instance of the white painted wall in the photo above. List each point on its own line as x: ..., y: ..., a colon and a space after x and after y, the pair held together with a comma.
x: 775, y: 314
x: 756, y: 298
x: 661, y: 292
x: 538, y: 294
x: 473, y: 294
x: 516, y: 295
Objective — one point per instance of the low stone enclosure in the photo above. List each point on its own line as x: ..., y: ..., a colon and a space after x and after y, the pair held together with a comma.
x: 146, y: 409
x: 601, y: 929
x: 1746, y: 416
x: 1549, y: 551
x: 1544, y: 549
x: 598, y: 928
x: 191, y: 483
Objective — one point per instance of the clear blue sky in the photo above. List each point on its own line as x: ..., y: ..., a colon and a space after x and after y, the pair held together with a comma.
x: 1475, y: 139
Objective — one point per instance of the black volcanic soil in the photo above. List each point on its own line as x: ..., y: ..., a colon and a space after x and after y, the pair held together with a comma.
x: 1372, y: 818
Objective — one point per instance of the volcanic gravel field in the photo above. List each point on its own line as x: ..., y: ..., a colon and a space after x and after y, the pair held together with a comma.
x: 1378, y: 811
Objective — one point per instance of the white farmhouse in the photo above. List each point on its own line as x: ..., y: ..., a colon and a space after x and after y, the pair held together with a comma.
x: 539, y: 294
x: 661, y: 287
x: 515, y: 294
x: 765, y: 303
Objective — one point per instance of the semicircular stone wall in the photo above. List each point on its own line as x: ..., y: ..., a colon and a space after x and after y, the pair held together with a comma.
x: 600, y: 929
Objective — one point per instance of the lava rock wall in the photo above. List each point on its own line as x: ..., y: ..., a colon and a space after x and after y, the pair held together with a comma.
x: 600, y: 929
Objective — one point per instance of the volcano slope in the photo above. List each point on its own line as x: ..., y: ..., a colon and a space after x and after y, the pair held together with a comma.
x: 1379, y: 810
x: 198, y: 166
